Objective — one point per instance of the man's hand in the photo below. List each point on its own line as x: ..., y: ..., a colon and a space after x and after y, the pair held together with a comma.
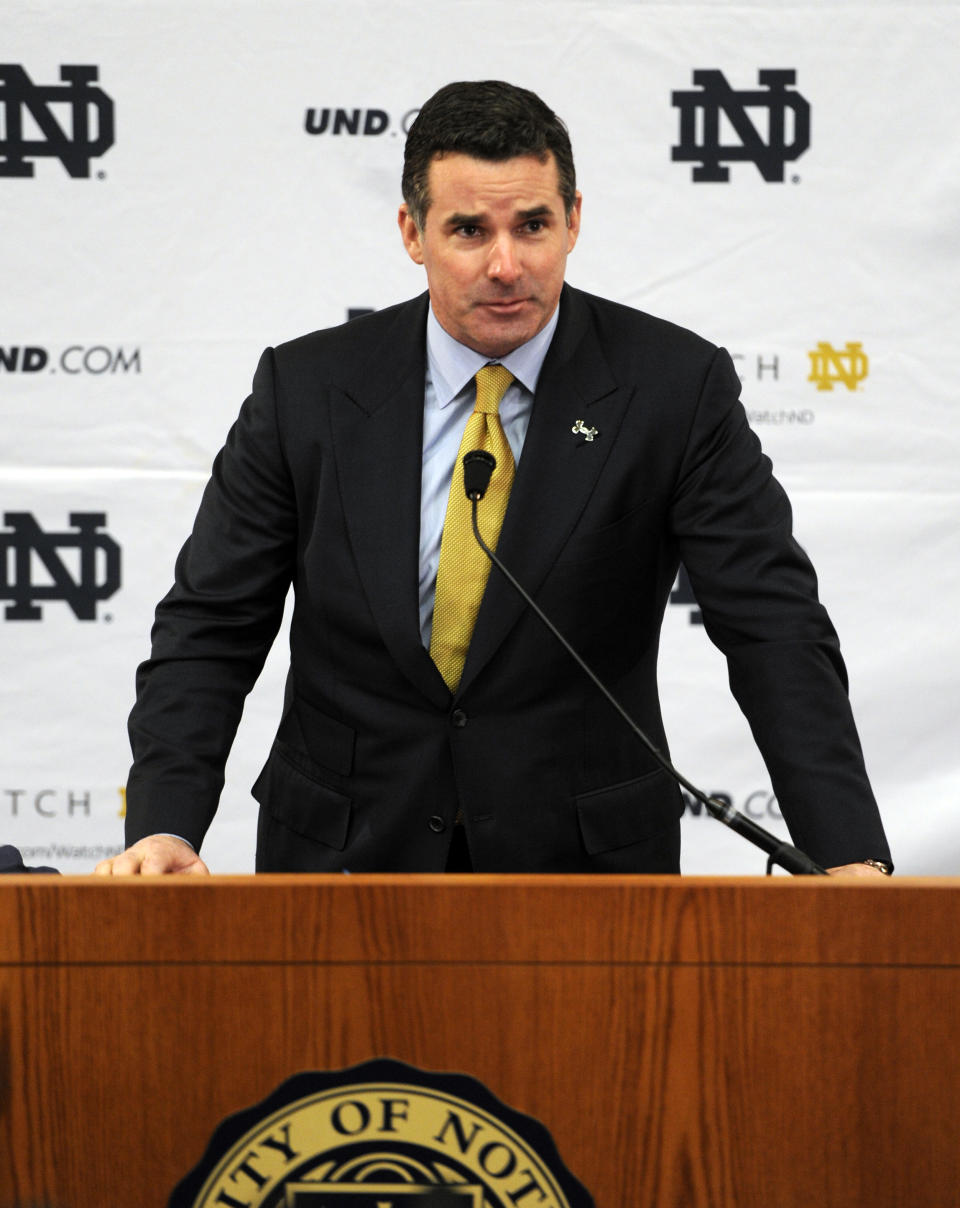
x: 857, y: 870
x: 152, y: 856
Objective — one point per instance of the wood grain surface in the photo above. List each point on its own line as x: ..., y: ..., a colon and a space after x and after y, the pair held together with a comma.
x: 686, y: 1041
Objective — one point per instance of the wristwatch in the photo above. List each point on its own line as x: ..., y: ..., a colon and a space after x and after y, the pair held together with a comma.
x: 881, y: 865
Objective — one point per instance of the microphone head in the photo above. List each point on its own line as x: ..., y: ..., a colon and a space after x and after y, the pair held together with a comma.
x: 478, y: 465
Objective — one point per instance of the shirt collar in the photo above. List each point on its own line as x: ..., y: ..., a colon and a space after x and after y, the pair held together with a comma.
x: 452, y: 364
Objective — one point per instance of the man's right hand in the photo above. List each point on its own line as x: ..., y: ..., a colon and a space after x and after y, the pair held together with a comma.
x: 152, y: 856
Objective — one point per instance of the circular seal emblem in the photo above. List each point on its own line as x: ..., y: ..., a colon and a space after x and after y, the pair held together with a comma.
x: 380, y: 1135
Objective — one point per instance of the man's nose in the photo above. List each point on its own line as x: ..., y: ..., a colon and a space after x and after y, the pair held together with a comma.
x: 504, y: 264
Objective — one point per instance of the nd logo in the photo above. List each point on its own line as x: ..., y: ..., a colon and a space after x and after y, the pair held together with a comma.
x: 77, y: 96
x: 829, y: 367
x: 97, y: 558
x: 770, y: 145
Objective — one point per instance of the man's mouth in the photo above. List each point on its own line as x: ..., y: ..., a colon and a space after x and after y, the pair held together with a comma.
x: 505, y: 306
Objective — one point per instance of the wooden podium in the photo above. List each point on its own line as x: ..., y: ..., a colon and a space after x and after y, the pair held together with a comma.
x: 686, y: 1041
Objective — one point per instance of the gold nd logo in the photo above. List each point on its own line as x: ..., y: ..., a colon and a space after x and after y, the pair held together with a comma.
x: 829, y: 366
x: 381, y: 1135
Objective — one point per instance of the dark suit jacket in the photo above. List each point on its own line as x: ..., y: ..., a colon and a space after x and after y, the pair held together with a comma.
x: 319, y: 484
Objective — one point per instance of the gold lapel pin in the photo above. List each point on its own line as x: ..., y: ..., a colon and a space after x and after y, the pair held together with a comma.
x: 581, y: 429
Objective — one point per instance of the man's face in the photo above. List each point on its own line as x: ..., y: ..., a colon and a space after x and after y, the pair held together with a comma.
x: 494, y: 243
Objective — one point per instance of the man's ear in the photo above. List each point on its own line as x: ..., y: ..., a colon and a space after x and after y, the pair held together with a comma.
x: 573, y: 222
x: 410, y: 234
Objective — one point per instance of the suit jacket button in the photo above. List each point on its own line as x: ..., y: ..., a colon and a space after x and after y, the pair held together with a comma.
x: 437, y: 824
x: 459, y: 718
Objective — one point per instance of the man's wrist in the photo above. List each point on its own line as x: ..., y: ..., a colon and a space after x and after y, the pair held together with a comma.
x: 170, y: 835
x: 880, y: 865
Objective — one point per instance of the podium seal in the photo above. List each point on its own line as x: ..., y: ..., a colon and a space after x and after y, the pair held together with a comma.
x: 380, y: 1135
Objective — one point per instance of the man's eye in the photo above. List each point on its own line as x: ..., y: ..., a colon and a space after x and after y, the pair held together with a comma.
x: 467, y: 230
x: 535, y: 225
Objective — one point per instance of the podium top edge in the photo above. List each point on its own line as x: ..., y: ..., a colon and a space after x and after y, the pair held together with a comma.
x: 476, y: 918
x: 497, y: 880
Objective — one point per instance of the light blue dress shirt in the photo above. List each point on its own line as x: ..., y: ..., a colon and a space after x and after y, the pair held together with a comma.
x: 449, y: 397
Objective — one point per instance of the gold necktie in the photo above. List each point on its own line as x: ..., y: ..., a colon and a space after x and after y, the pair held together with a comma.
x: 463, y: 568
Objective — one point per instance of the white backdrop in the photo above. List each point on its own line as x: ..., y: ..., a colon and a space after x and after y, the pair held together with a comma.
x: 135, y: 301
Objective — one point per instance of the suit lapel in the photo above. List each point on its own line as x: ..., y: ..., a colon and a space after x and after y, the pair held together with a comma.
x: 378, y: 441
x: 557, y: 473
x: 377, y: 425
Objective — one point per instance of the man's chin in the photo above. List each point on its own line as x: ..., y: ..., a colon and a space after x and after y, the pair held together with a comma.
x: 498, y: 330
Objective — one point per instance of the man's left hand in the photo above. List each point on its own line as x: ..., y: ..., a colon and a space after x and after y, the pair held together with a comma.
x: 857, y: 870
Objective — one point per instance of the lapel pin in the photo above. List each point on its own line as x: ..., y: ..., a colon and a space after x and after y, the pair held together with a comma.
x: 580, y: 428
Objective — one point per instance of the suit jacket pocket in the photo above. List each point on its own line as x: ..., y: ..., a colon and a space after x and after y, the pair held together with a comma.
x: 303, y: 804
x: 623, y: 537
x: 629, y: 812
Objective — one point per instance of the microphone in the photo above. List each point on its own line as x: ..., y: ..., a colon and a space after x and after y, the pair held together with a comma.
x: 478, y: 466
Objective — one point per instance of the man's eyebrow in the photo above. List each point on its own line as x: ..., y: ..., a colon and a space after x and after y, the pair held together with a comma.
x: 464, y: 220
x: 540, y: 211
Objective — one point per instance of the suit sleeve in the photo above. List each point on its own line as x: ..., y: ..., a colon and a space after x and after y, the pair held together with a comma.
x: 758, y: 592
x: 214, y: 628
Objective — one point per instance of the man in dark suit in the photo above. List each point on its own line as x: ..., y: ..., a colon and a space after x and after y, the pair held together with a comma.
x: 410, y: 744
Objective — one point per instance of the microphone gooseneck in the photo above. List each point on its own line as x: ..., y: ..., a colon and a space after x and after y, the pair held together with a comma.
x: 478, y: 466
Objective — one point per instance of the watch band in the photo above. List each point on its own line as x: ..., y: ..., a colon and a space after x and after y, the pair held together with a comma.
x: 881, y: 865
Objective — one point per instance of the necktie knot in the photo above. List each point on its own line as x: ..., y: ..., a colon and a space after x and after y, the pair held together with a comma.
x: 493, y: 382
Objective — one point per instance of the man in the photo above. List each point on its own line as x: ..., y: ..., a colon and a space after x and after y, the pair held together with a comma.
x: 430, y: 721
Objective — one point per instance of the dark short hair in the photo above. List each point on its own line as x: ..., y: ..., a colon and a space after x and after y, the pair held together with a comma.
x: 487, y: 119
